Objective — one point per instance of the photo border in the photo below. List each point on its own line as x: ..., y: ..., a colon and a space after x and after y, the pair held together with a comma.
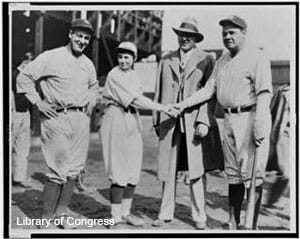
x: 6, y: 129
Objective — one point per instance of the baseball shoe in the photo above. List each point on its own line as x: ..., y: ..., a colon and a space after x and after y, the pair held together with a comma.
x: 81, y: 187
x: 51, y: 226
x: 160, y: 222
x: 231, y: 226
x: 133, y: 220
x: 118, y: 226
x: 65, y: 224
x: 200, y: 225
x: 21, y: 184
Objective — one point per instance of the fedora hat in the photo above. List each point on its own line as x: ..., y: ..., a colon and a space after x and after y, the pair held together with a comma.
x: 189, y: 26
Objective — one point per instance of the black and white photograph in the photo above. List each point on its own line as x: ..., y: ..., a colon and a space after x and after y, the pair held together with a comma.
x: 146, y: 119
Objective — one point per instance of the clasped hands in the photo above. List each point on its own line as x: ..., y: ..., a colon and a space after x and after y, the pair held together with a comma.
x: 174, y: 110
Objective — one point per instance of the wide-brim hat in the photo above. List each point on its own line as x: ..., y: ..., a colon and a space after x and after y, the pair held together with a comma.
x: 128, y: 46
x: 82, y: 24
x: 189, y: 26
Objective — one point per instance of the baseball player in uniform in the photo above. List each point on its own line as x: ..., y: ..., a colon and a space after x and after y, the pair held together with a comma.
x: 242, y: 83
x: 121, y: 133
x: 69, y: 88
x: 20, y: 130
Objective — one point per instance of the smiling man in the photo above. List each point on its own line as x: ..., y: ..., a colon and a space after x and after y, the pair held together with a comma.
x: 69, y: 89
x: 242, y: 83
x: 181, y: 73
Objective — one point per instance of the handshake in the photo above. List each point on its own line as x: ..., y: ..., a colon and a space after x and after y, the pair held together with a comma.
x: 173, y: 110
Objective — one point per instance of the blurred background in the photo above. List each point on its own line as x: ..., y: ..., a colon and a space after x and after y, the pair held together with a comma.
x: 271, y: 28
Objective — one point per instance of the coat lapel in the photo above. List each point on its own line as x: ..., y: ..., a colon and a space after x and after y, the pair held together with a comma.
x: 174, y: 64
x: 192, y: 63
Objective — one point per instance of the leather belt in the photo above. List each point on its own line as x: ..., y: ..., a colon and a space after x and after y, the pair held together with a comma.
x: 72, y: 108
x: 130, y: 109
x: 238, y: 109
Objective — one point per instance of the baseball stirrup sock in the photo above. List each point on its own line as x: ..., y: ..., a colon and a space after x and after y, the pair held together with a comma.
x: 116, y: 212
x: 50, y: 197
x: 236, y: 196
x: 116, y: 193
x: 129, y: 191
x: 126, y: 206
x: 258, y: 198
x: 127, y: 199
x: 65, y: 197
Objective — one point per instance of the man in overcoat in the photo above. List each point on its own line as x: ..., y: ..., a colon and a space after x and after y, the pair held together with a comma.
x: 180, y: 74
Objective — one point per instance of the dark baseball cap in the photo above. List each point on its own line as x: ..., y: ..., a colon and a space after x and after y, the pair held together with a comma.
x: 82, y: 24
x: 234, y: 20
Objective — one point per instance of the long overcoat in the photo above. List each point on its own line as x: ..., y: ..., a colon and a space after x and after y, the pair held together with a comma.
x: 197, y: 71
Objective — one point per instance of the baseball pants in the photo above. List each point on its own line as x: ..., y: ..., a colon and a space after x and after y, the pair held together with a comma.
x: 20, y: 145
x: 65, y: 141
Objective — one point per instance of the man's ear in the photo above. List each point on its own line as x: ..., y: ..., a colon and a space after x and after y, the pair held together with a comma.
x: 244, y: 31
x: 70, y: 33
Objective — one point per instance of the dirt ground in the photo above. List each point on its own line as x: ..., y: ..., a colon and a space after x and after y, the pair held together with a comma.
x: 147, y: 197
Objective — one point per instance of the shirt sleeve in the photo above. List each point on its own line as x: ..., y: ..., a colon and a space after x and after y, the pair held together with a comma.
x: 263, y: 77
x: 29, y: 74
x: 36, y: 68
x: 93, y: 85
x: 125, y: 90
x: 205, y: 113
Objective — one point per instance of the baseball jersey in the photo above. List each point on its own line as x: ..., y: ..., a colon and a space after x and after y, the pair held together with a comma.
x: 122, y: 86
x: 66, y: 80
x: 237, y: 81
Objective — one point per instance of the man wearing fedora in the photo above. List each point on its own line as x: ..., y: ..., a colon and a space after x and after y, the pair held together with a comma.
x: 242, y: 83
x: 180, y: 74
x: 69, y: 90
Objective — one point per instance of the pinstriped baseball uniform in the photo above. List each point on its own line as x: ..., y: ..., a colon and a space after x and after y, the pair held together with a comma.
x: 65, y: 81
x: 237, y: 82
x: 120, y: 130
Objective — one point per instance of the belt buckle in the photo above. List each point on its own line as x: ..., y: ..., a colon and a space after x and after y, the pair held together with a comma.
x: 65, y: 110
x: 229, y: 110
x: 239, y: 109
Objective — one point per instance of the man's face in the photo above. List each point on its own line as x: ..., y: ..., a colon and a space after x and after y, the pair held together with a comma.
x: 233, y: 37
x: 79, y: 40
x: 186, y: 41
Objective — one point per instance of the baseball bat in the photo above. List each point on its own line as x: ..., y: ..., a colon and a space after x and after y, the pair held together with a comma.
x: 249, y: 220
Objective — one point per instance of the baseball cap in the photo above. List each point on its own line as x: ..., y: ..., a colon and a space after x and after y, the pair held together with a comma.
x: 235, y: 20
x: 82, y: 24
x: 128, y: 46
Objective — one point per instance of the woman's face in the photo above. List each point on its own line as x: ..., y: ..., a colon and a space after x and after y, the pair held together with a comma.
x: 125, y: 61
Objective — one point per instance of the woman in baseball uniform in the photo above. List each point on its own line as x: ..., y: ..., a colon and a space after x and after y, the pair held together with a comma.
x: 121, y: 132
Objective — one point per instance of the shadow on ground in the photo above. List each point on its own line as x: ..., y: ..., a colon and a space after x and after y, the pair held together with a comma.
x: 150, y: 171
x: 149, y: 207
x: 31, y: 202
